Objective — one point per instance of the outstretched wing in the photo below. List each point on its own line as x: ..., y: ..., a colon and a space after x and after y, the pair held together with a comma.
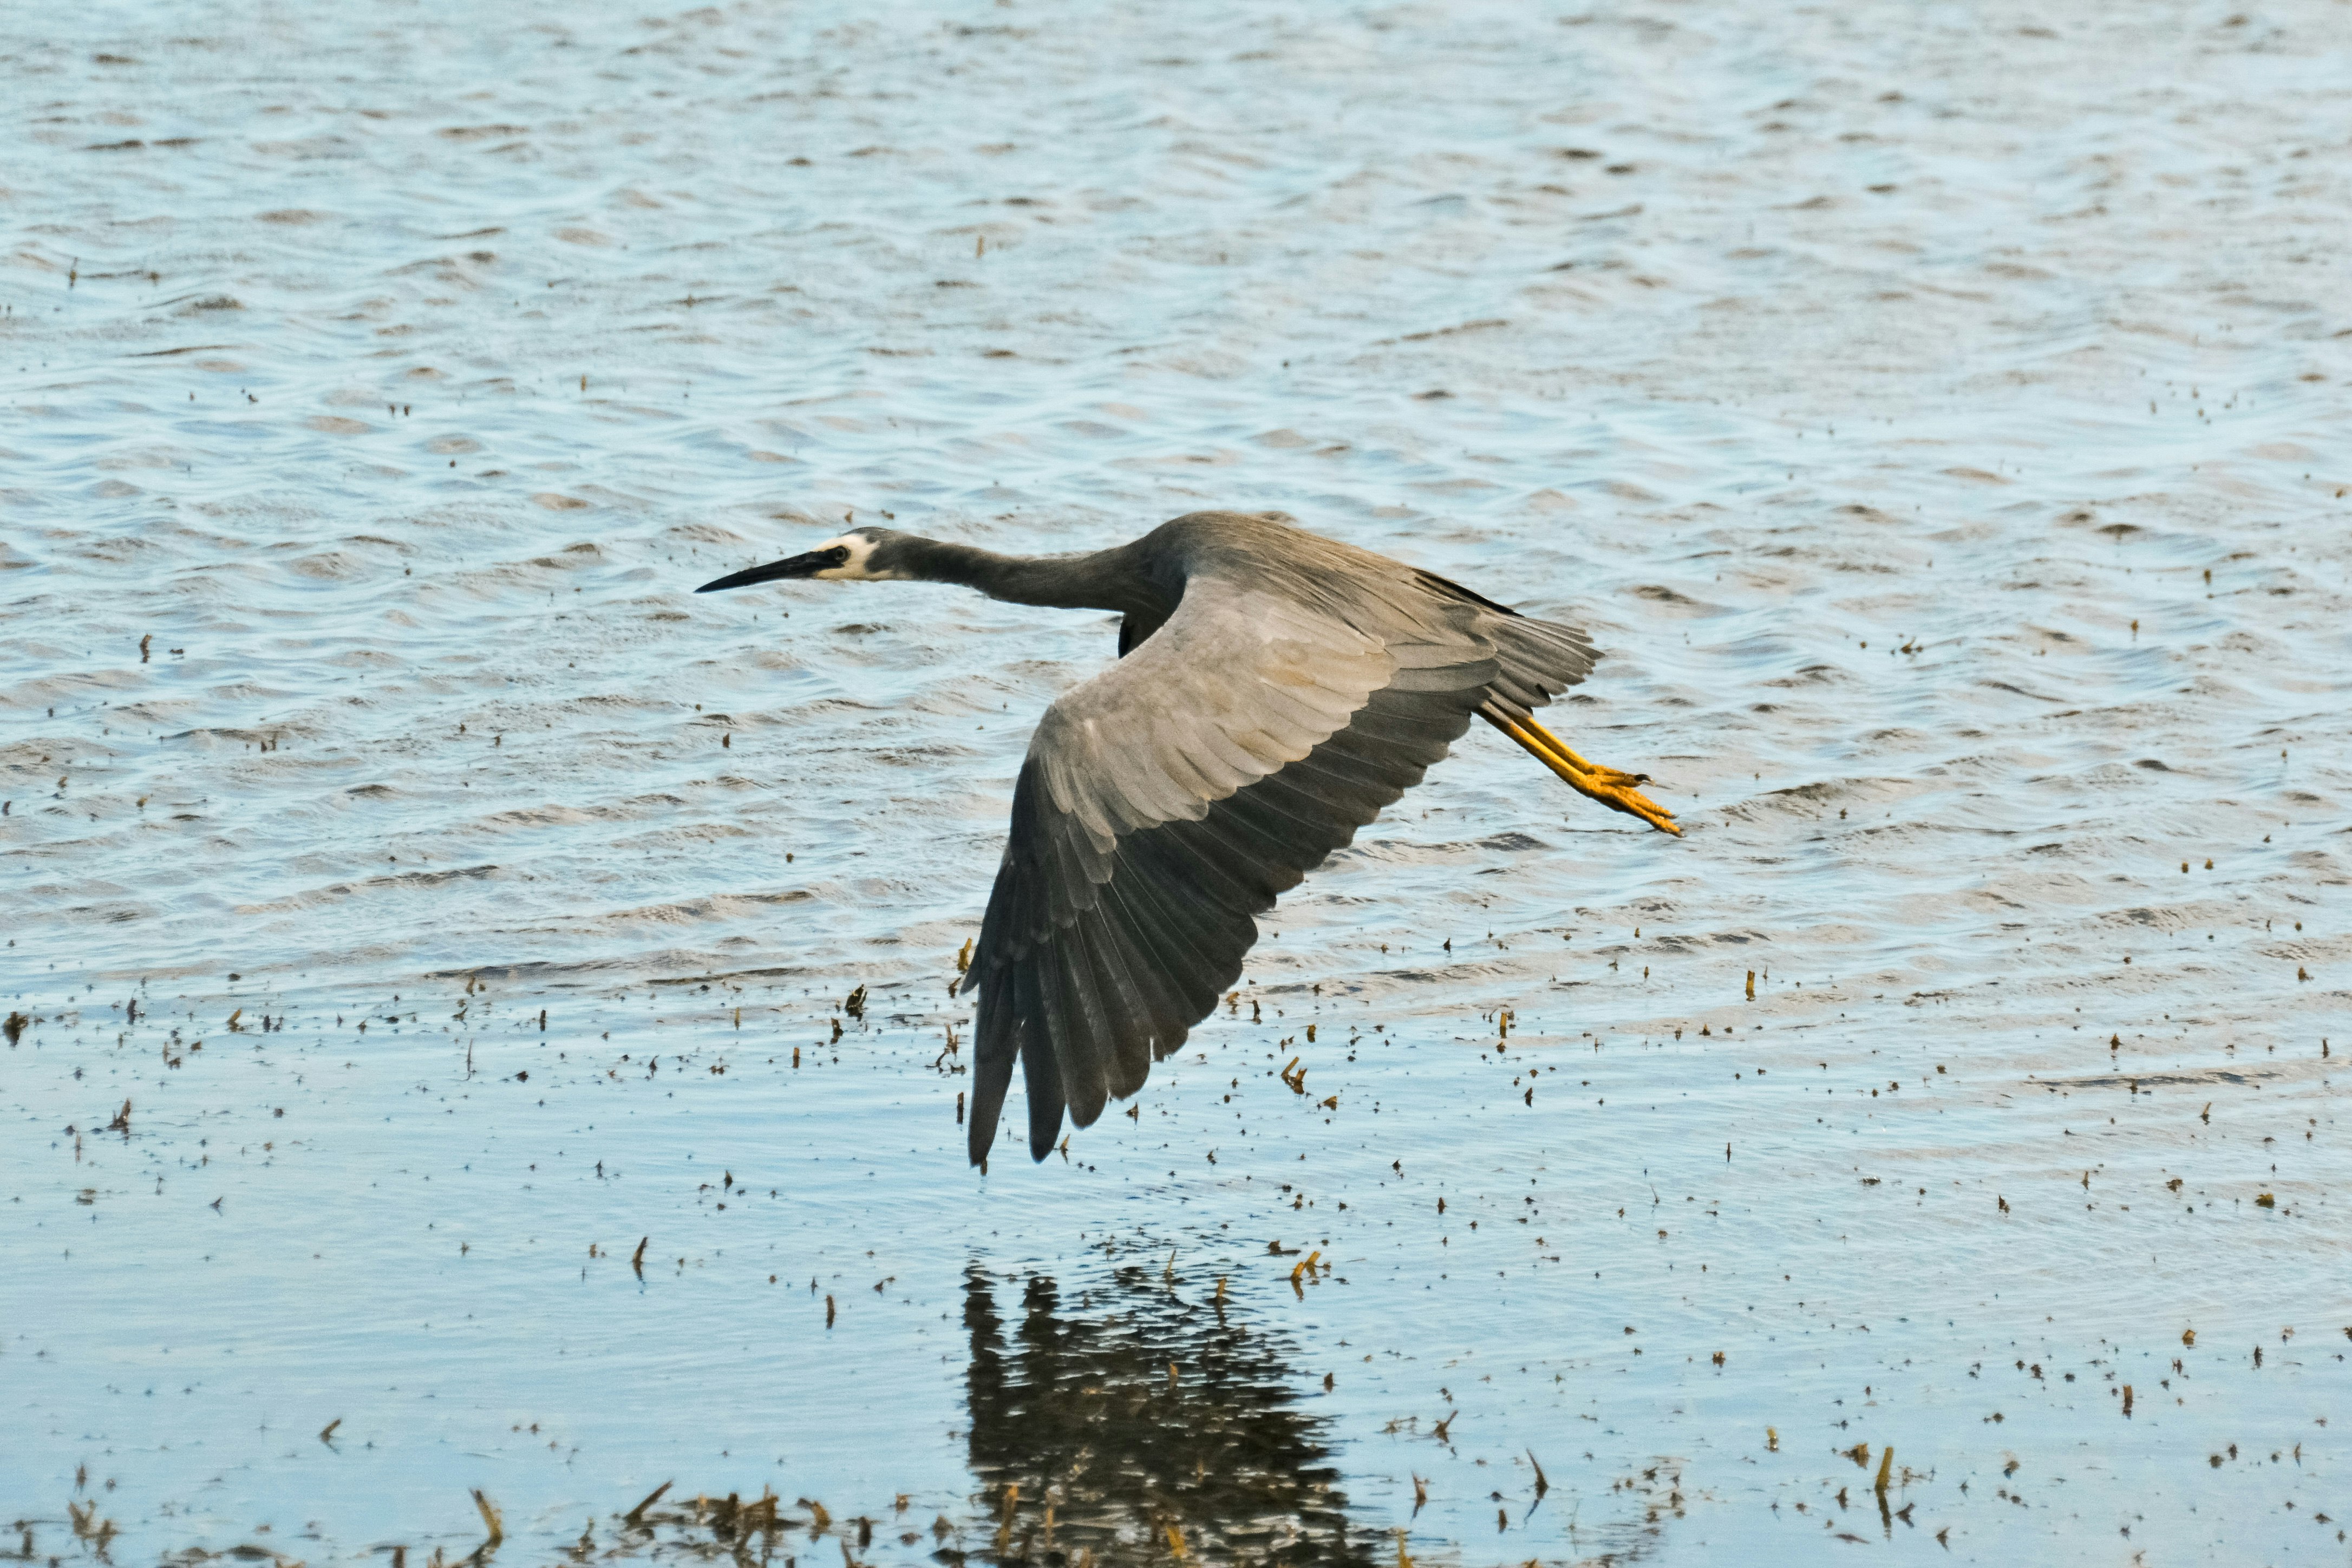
x: 1165, y: 803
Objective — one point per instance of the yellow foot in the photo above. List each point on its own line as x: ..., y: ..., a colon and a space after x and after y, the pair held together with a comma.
x: 1613, y: 787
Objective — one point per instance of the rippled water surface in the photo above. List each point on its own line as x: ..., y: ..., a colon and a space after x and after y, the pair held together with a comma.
x: 1936, y: 412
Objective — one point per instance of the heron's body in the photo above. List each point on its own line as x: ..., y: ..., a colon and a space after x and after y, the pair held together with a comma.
x: 1275, y: 690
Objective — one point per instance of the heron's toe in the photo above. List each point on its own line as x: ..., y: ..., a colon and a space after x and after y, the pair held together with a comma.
x: 1634, y: 804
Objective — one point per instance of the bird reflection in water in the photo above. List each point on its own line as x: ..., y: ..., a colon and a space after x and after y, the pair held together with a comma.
x: 1135, y: 1425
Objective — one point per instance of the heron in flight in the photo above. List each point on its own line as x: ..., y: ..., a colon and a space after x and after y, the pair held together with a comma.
x: 1275, y: 690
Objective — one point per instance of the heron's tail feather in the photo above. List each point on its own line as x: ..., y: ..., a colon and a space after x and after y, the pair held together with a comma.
x: 1539, y: 660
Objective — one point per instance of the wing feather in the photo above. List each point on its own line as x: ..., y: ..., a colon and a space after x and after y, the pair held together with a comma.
x: 1168, y: 802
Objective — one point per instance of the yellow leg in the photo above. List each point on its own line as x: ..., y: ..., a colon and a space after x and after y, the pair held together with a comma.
x: 1611, y: 787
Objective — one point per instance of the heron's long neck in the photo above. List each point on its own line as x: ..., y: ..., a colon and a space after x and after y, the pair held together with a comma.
x: 1099, y: 580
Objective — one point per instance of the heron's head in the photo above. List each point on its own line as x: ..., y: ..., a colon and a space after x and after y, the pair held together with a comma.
x: 861, y: 555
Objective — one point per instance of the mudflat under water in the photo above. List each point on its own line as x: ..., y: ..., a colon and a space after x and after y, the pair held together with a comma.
x: 429, y: 927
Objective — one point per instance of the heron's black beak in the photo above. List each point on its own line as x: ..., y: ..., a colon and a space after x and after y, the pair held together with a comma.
x: 807, y: 565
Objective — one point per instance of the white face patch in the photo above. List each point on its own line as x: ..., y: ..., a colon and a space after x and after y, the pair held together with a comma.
x: 853, y: 570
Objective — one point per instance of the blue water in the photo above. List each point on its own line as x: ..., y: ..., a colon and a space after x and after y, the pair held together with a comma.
x: 1936, y: 414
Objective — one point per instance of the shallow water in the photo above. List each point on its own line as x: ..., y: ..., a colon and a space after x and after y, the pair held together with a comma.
x: 1936, y: 412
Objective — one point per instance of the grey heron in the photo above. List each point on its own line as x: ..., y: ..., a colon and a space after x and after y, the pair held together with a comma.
x: 1275, y: 690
